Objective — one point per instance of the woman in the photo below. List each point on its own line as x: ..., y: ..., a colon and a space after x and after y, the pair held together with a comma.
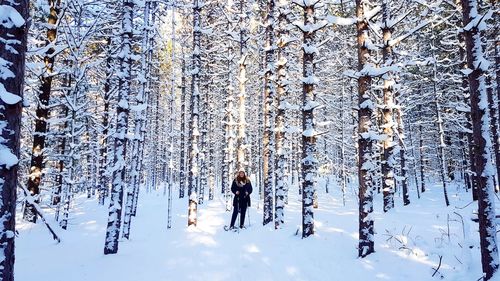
x: 241, y: 188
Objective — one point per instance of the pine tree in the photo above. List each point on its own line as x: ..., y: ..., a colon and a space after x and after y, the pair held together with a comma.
x: 194, y: 133
x: 42, y: 112
x: 474, y: 26
x: 13, y: 32
x: 281, y: 97
x: 365, y: 133
x: 120, y: 145
x: 269, y: 96
x: 309, y: 163
x: 140, y: 118
x: 388, y: 156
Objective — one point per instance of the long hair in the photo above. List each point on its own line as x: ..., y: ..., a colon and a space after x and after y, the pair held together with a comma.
x: 243, y: 179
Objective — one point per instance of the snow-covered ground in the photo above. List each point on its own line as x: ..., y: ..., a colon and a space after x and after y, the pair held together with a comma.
x: 409, y: 243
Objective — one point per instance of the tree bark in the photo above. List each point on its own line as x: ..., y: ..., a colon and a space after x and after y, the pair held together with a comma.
x: 12, y: 53
x: 473, y: 26
x: 194, y: 132
x: 42, y: 112
x: 269, y: 96
x: 182, y: 164
x: 388, y: 156
x: 120, y: 145
x: 365, y: 142
x: 309, y: 104
x: 241, y: 141
x: 282, y: 93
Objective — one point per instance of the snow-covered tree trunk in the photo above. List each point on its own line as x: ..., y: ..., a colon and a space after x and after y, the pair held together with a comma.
x: 171, y: 121
x: 343, y: 176
x: 388, y: 160
x: 494, y: 128
x: 13, y: 35
x: 402, y: 154
x: 229, y: 162
x: 150, y: 76
x: 441, y: 145
x: 309, y: 104
x: 69, y: 137
x: 56, y: 196
x: 182, y: 160
x: 269, y: 96
x: 494, y: 108
x: 104, y: 159
x: 194, y: 133
x: 282, y: 93
x: 139, y: 111
x: 156, y: 116
x: 203, y: 137
x: 241, y: 141
x: 68, y: 180
x: 211, y: 155
x: 474, y: 25
x: 496, y: 19
x: 466, y: 139
x: 122, y: 112
x: 42, y: 111
x: 260, y: 131
x: 414, y: 160
x: 365, y: 133
x: 421, y: 149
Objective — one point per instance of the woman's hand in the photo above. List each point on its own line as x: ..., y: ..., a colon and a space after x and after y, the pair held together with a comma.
x: 237, y: 192
x: 246, y: 193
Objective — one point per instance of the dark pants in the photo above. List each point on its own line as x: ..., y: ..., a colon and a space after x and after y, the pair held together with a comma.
x: 242, y: 210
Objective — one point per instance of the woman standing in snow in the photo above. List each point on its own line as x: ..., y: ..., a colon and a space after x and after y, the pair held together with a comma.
x: 241, y: 188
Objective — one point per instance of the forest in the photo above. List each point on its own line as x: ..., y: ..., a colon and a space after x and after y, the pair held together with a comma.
x: 368, y: 131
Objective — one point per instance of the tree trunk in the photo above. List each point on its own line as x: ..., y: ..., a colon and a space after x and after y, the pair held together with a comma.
x: 309, y: 104
x: 120, y: 146
x: 170, y: 158
x: 388, y: 156
x: 473, y: 26
x: 140, y: 119
x: 365, y: 142
x: 402, y: 155
x: 441, y: 145
x: 12, y: 53
x: 269, y: 96
x: 182, y: 164
x: 494, y: 130
x: 229, y: 134
x: 103, y: 173
x: 241, y: 142
x: 194, y: 132
x: 282, y: 93
x: 421, y: 157
x: 42, y: 112
x: 56, y: 197
x: 342, y: 147
x: 414, y: 168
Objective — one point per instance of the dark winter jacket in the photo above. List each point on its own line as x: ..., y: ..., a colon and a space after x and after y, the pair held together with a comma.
x: 242, y: 199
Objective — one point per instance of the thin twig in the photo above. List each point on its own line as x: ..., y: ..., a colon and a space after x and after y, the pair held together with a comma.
x: 439, y: 265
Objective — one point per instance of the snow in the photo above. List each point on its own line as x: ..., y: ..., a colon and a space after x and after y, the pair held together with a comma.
x: 5, y: 72
x: 408, y: 243
x: 309, y: 132
x: 478, y: 22
x: 8, y: 97
x: 6, y: 157
x: 10, y: 17
x: 340, y: 20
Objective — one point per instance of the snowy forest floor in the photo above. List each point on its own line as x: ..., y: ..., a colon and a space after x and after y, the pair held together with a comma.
x: 409, y: 243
